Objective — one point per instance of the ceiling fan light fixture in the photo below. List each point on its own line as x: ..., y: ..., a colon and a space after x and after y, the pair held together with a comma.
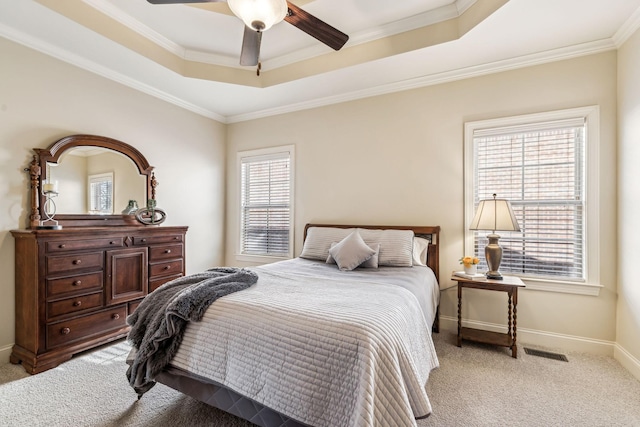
x: 259, y: 14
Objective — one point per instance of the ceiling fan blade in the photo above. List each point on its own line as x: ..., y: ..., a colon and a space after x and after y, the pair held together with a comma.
x: 250, y: 47
x: 313, y: 26
x: 182, y: 1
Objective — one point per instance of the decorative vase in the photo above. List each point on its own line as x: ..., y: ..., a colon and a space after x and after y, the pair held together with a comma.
x: 131, y: 208
x: 471, y: 268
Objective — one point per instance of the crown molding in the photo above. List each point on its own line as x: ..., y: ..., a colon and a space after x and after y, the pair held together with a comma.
x: 427, y: 80
x: 425, y: 19
x: 430, y: 17
x: 438, y: 78
x: 627, y: 29
x: 76, y: 60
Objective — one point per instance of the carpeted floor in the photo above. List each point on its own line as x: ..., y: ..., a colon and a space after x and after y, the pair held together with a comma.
x: 475, y: 385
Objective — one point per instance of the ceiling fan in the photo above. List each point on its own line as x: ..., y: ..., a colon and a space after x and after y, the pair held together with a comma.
x: 260, y: 15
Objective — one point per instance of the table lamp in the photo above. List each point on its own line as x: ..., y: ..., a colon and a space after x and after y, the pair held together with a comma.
x: 495, y: 215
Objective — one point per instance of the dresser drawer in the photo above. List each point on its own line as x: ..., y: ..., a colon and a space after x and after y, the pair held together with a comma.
x: 66, y: 332
x: 79, y: 283
x: 71, y: 263
x: 73, y: 245
x: 133, y: 306
x: 165, y: 268
x: 74, y: 304
x: 152, y: 240
x: 159, y: 253
x: 156, y: 283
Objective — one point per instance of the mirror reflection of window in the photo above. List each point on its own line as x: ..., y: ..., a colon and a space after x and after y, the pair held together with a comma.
x: 78, y: 163
x: 101, y: 193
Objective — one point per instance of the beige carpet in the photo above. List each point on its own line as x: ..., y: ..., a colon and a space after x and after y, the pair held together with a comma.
x: 475, y: 385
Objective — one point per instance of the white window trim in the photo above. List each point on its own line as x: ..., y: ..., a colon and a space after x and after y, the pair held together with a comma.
x: 99, y: 176
x: 591, y: 286
x: 259, y: 153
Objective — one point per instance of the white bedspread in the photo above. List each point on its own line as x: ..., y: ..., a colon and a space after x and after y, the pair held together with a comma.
x: 325, y: 347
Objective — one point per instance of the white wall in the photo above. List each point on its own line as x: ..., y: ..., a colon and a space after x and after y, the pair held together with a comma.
x: 43, y: 100
x: 398, y: 159
x: 628, y: 324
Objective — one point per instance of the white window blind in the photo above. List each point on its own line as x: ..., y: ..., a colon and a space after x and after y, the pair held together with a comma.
x: 540, y: 169
x: 266, y: 182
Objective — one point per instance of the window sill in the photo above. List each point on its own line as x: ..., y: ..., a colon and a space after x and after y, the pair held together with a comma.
x: 260, y: 259
x: 565, y: 287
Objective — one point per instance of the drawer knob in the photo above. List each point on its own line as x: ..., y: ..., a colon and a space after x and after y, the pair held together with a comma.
x: 176, y: 238
x: 77, y: 303
x: 62, y: 246
x: 168, y: 251
x: 143, y: 240
x: 167, y: 267
x: 65, y: 331
x: 77, y: 283
x: 77, y: 261
x: 115, y: 316
x: 112, y: 243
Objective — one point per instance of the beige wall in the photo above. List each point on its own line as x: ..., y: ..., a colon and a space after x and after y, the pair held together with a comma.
x: 628, y: 324
x: 398, y: 159
x: 43, y: 99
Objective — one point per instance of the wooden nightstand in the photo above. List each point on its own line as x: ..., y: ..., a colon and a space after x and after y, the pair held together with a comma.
x: 510, y: 285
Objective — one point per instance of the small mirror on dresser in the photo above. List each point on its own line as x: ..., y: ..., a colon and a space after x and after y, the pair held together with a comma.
x: 94, y: 179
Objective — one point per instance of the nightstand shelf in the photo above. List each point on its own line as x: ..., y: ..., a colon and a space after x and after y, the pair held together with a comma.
x: 486, y: 337
x: 510, y: 285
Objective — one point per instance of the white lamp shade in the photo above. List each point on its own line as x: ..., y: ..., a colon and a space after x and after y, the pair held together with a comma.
x: 259, y: 14
x: 495, y: 215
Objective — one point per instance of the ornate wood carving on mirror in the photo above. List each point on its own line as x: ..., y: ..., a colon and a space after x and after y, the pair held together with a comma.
x: 44, y: 159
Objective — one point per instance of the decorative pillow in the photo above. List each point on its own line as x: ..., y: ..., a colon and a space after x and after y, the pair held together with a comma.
x: 396, y: 246
x: 370, y: 263
x: 319, y: 239
x: 351, y: 252
x: 420, y: 251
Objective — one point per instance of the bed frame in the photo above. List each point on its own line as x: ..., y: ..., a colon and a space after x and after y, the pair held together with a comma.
x: 220, y: 397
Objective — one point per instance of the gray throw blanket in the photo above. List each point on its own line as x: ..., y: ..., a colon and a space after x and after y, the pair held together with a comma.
x: 158, y: 324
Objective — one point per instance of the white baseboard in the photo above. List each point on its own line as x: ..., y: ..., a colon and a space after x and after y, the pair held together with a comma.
x: 538, y: 338
x: 627, y: 360
x: 5, y: 352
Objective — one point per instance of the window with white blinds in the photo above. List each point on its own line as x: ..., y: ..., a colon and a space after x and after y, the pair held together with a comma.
x: 541, y: 168
x: 101, y: 193
x: 266, y: 182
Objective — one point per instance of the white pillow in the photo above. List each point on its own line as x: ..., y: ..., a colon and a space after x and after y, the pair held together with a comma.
x: 396, y: 246
x: 370, y: 263
x: 351, y: 251
x: 319, y: 239
x: 420, y: 251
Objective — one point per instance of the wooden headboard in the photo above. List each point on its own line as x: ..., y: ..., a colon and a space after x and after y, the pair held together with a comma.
x: 431, y: 233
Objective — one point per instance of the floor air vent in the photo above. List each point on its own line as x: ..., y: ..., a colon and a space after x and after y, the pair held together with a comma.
x: 547, y: 354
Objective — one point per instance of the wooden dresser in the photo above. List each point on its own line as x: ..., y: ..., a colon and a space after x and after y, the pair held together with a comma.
x: 76, y: 286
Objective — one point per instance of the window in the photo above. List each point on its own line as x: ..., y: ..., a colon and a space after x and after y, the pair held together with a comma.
x: 101, y: 193
x: 540, y: 164
x: 266, y: 197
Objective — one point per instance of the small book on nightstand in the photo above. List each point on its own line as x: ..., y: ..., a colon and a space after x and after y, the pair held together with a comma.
x: 476, y: 276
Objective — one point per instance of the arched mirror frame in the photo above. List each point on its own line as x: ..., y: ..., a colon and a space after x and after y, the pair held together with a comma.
x: 38, y: 173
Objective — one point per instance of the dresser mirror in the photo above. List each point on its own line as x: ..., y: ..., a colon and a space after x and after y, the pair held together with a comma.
x: 93, y: 179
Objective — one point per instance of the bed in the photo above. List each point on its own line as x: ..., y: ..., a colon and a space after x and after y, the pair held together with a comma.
x: 316, y: 343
